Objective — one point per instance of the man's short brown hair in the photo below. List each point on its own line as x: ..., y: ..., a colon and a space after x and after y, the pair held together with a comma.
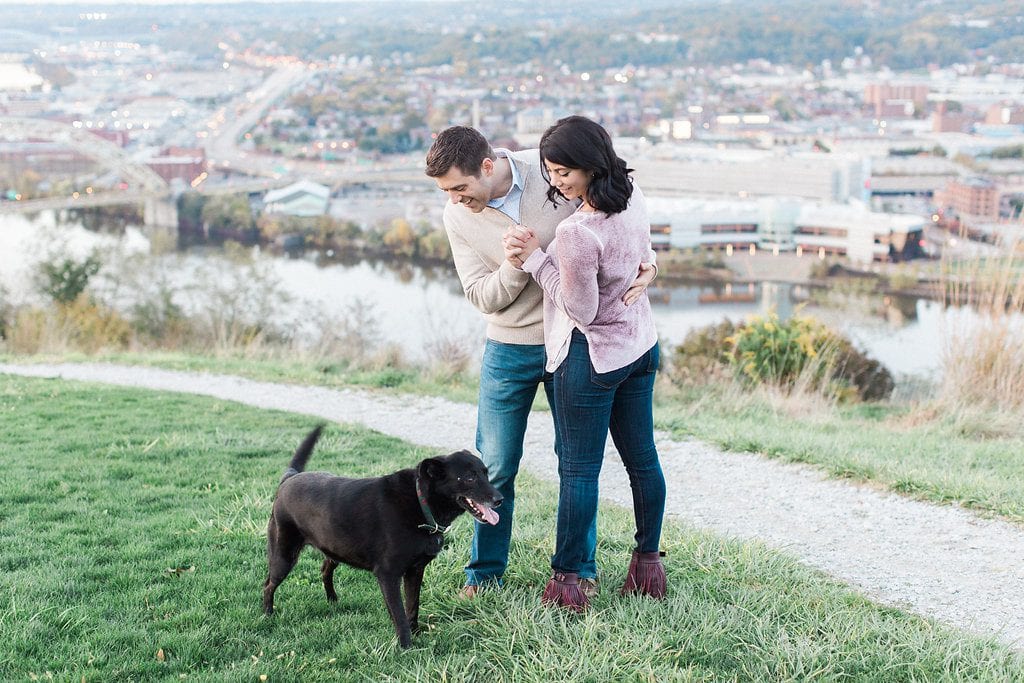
x: 460, y: 147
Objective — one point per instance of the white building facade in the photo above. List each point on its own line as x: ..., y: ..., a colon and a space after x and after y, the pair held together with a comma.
x: 783, y: 224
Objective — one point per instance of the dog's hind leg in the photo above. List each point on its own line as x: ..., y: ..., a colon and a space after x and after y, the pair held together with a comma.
x: 412, y: 580
x: 327, y: 574
x: 283, y: 548
x: 389, y: 586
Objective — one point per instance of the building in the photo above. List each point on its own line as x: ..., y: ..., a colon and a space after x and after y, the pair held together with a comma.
x: 185, y: 164
x: 785, y: 225
x: 747, y: 173
x: 920, y: 176
x: 972, y: 198
x: 44, y: 157
x: 1002, y: 114
x: 532, y: 122
x: 895, y: 99
x: 944, y: 121
x: 304, y: 198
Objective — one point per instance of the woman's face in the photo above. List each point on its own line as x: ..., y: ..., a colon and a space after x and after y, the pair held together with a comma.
x: 571, y: 182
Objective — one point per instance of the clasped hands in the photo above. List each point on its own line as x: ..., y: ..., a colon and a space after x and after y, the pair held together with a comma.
x: 519, y: 242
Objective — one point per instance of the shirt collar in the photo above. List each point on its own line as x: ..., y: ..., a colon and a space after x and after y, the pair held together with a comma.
x: 517, y: 180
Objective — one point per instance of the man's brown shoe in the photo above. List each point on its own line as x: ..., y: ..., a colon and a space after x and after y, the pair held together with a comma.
x: 589, y: 588
x: 468, y: 592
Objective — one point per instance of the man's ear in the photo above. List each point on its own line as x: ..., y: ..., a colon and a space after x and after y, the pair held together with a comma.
x: 431, y: 468
x: 487, y: 167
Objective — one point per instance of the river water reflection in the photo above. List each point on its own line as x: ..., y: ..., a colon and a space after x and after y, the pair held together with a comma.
x: 415, y: 306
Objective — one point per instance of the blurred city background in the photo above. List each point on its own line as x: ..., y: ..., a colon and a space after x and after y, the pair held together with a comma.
x: 821, y: 154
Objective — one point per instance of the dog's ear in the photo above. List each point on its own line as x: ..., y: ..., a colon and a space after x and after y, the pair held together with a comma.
x: 431, y: 468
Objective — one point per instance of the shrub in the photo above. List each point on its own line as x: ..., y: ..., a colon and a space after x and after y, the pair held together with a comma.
x: 702, y: 358
x: 82, y: 325
x: 400, y: 238
x: 28, y: 331
x: 434, y: 245
x: 92, y: 327
x: 787, y: 354
x: 801, y: 349
x: 64, y: 278
x: 159, y: 319
x: 872, y: 380
x: 767, y: 350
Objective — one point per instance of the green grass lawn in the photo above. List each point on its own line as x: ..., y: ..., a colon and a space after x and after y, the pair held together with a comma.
x: 132, y: 548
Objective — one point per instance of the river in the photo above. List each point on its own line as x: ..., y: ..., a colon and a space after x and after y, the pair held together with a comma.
x: 417, y: 306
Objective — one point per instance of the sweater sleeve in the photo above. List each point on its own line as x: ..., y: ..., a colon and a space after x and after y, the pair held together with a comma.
x: 490, y: 291
x: 571, y: 283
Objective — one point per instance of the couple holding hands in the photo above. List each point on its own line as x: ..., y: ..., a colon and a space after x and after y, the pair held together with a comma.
x: 553, y: 246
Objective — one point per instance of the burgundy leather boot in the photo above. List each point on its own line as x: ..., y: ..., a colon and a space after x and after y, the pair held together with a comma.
x: 564, y: 590
x: 646, y: 575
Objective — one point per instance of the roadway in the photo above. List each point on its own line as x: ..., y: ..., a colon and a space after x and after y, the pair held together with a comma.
x: 223, y: 130
x: 81, y: 200
x: 229, y: 123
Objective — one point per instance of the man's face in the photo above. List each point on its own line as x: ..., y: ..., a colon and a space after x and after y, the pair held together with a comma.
x: 470, y: 191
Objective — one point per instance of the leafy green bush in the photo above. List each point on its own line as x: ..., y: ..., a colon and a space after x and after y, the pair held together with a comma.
x: 872, y: 380
x: 764, y: 350
x: 63, y: 278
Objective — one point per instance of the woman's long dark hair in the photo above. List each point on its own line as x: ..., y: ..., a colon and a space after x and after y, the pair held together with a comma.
x: 576, y: 142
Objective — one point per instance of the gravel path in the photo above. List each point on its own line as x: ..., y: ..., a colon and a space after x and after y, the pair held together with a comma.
x: 941, y: 562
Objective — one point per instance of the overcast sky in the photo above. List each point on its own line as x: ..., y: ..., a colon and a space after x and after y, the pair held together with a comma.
x: 87, y: 5
x: 90, y: 4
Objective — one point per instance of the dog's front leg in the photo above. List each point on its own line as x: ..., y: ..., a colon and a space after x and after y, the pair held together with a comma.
x: 389, y: 586
x: 413, y: 579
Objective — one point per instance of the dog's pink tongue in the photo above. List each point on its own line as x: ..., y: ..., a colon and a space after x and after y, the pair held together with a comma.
x: 490, y: 516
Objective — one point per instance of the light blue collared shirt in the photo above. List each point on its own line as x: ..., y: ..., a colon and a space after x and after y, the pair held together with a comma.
x: 509, y: 204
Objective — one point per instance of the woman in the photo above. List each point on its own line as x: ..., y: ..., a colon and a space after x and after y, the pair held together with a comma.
x: 603, y: 353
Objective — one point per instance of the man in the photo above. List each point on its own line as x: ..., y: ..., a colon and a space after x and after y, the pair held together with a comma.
x: 490, y: 192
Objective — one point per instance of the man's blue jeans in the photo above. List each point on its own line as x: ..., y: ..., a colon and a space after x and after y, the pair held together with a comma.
x: 509, y: 375
x: 588, y: 405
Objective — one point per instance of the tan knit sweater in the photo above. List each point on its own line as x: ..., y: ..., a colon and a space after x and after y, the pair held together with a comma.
x: 512, y: 303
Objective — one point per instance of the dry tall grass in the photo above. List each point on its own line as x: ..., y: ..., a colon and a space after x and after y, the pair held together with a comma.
x: 983, y: 336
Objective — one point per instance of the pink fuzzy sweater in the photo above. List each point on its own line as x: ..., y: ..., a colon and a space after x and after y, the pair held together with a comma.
x: 584, y: 273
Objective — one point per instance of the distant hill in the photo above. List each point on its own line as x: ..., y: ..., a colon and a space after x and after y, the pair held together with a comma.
x: 581, y: 34
x: 901, y: 35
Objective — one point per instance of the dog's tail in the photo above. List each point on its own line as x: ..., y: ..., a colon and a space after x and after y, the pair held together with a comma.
x: 302, y: 453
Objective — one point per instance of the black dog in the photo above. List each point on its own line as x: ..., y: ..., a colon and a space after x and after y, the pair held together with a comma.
x: 390, y: 525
